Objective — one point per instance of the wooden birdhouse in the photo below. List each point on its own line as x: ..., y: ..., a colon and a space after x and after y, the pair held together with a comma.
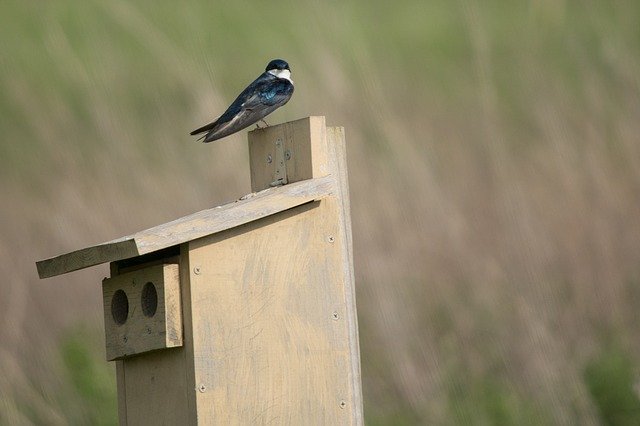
x: 244, y: 313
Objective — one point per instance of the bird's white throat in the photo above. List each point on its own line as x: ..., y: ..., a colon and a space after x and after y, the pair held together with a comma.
x: 286, y: 74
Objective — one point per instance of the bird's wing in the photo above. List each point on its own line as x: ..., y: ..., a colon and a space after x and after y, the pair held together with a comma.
x: 241, y: 120
x: 236, y: 107
x: 268, y: 93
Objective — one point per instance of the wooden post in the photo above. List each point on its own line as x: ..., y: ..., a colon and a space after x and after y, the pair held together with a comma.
x: 312, y: 150
x: 263, y: 289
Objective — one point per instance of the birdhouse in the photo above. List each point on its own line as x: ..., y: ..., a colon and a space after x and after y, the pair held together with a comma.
x: 243, y: 313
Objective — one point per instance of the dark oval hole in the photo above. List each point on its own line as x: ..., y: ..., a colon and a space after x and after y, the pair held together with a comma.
x: 120, y: 307
x: 149, y: 299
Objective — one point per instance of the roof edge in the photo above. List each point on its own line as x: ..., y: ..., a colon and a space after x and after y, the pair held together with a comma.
x: 249, y: 208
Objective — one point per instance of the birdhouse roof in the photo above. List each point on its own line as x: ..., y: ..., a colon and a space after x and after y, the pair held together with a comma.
x: 197, y: 225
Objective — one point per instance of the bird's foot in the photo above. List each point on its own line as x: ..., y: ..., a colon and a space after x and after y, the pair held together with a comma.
x: 265, y: 125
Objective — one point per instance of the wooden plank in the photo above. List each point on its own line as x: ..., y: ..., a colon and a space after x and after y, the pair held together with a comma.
x: 270, y: 330
x: 188, y: 367
x: 122, y: 393
x: 304, y: 148
x: 107, y: 252
x: 337, y: 155
x: 197, y: 225
x: 156, y: 389
x: 147, y: 320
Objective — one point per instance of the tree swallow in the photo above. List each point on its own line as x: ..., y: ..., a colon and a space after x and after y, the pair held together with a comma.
x: 266, y: 94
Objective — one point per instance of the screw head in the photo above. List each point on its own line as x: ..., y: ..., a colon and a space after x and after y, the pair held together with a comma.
x: 287, y: 155
x: 197, y: 270
x: 331, y: 238
x: 335, y: 316
x: 202, y: 388
x: 343, y: 404
x: 269, y: 159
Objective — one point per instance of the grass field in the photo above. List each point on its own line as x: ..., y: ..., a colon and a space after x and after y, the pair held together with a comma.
x: 494, y: 159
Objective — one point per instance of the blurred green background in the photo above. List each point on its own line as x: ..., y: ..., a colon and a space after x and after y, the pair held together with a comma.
x: 494, y: 160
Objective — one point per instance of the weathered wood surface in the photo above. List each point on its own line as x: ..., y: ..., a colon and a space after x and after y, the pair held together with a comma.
x: 197, y: 225
x: 141, y: 332
x: 154, y: 389
x: 273, y: 321
x: 158, y: 387
x: 304, y: 159
x: 337, y: 158
x: 270, y: 328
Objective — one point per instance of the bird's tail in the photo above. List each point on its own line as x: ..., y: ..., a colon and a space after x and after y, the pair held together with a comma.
x: 204, y: 128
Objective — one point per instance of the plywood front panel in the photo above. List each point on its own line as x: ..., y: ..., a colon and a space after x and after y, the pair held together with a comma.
x: 271, y: 340
x: 155, y: 389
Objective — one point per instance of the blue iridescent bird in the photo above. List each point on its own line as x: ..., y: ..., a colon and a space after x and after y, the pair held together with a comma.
x: 267, y: 93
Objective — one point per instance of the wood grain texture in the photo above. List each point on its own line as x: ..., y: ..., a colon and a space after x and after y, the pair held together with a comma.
x: 156, y: 389
x: 188, y: 367
x: 197, y: 225
x: 337, y: 155
x: 303, y: 143
x: 143, y: 331
x: 122, y: 393
x: 273, y: 321
x: 159, y: 387
x: 107, y: 252
x: 270, y: 330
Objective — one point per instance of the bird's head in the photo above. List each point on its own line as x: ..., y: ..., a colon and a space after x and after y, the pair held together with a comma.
x: 280, y: 69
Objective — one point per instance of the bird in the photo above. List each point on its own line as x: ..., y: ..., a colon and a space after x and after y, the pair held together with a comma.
x: 272, y: 89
